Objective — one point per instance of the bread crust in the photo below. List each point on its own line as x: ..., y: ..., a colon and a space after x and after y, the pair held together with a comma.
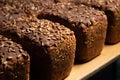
x: 88, y: 24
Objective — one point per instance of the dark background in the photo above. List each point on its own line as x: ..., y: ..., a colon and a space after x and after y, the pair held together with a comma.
x: 111, y: 72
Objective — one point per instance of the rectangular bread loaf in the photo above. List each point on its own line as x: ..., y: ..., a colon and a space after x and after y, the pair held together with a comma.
x: 51, y: 46
x: 112, y: 10
x: 88, y: 24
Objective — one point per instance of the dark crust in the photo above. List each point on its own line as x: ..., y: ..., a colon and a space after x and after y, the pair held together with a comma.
x: 30, y: 7
x: 82, y: 14
x: 14, y: 61
x: 50, y: 44
x: 112, y: 10
x: 46, y: 40
x: 88, y: 24
x: 41, y: 32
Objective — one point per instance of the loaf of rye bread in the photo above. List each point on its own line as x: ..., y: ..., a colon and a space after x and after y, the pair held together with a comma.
x: 88, y: 24
x: 14, y: 61
x: 51, y: 46
x: 112, y: 10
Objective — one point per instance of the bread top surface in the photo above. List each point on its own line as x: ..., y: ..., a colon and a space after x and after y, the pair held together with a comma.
x: 30, y: 7
x: 102, y: 4
x: 11, y: 52
x: 42, y: 32
x: 75, y: 14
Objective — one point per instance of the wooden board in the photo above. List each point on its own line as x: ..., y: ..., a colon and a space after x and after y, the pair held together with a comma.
x: 109, y: 54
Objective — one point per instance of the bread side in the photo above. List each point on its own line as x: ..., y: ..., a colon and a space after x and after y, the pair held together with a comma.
x: 14, y: 61
x: 88, y: 24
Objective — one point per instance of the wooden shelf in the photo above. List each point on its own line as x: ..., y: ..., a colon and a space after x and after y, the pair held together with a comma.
x: 109, y: 54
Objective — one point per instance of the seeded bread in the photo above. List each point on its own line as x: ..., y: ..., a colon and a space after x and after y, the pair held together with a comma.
x: 30, y: 7
x: 51, y: 46
x: 14, y: 61
x: 112, y: 10
x: 88, y: 24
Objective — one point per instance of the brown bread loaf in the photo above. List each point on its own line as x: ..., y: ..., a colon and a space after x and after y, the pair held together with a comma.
x: 14, y: 61
x: 112, y: 10
x: 51, y: 47
x: 88, y: 24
